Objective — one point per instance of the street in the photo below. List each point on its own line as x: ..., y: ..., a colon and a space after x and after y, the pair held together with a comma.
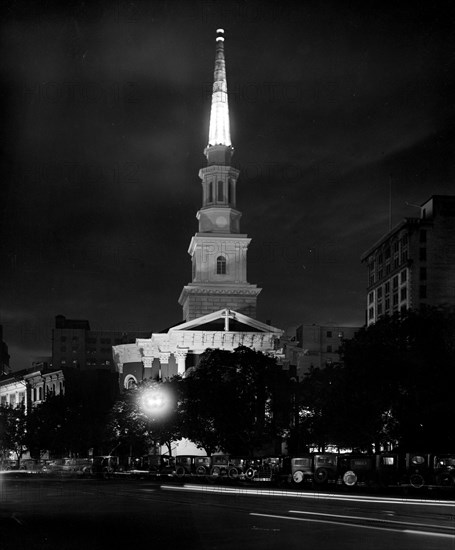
x: 47, y: 513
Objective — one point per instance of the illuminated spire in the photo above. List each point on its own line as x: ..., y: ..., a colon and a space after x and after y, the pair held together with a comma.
x: 219, y: 132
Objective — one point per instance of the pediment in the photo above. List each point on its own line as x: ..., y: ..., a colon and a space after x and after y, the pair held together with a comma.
x: 226, y: 320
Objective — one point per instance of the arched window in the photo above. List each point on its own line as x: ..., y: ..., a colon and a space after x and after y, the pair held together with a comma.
x: 130, y: 381
x: 221, y: 265
x: 220, y: 192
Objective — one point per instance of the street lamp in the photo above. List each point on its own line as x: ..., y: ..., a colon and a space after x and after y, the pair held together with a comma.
x: 156, y: 401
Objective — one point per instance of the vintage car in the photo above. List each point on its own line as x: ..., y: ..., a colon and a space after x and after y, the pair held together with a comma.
x: 356, y: 469
x: 325, y: 468
x: 443, y: 466
x: 300, y: 469
x: 105, y: 466
x: 192, y: 466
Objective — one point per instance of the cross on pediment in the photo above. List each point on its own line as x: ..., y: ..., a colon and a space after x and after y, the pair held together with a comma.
x: 227, y: 314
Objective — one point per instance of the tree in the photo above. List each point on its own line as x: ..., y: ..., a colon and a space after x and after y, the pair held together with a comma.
x: 13, y: 431
x: 231, y: 401
x: 134, y: 428
x: 394, y: 387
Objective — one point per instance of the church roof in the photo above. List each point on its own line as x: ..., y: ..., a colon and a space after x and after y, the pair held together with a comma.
x: 226, y: 320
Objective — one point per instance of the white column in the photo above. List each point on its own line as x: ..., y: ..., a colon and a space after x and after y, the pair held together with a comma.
x: 147, y: 362
x: 164, y: 360
x: 180, y: 356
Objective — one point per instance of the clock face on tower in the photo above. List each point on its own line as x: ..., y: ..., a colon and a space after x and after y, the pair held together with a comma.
x: 221, y: 221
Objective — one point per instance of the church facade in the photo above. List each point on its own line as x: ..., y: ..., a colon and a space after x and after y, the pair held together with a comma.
x: 218, y: 304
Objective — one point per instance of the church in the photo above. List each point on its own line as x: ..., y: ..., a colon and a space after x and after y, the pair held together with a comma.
x: 218, y: 304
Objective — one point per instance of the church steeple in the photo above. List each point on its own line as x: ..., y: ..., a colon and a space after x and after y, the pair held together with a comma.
x: 219, y: 131
x: 219, y: 178
x: 218, y: 251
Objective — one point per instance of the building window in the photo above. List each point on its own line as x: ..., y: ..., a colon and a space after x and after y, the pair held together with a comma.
x: 210, y: 190
x: 371, y: 313
x: 423, y: 292
x: 423, y: 273
x: 380, y: 258
x: 220, y: 191
x: 63, y: 348
x: 403, y: 276
x: 404, y: 256
x: 379, y: 309
x: 329, y: 334
x: 387, y: 269
x: 387, y: 253
x: 380, y: 274
x: 387, y: 304
x: 395, y: 299
x: 395, y: 282
x: 423, y: 254
x: 395, y: 246
x: 221, y: 265
x: 371, y: 279
x: 130, y: 382
x: 423, y: 236
x: 387, y: 288
x: 40, y: 393
x: 396, y: 262
x: 403, y: 294
x: 370, y: 297
x: 329, y: 349
x: 379, y: 293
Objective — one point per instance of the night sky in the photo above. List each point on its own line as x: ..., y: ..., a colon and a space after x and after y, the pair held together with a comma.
x: 106, y: 109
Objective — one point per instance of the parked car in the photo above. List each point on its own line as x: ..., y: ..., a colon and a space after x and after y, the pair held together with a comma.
x: 299, y: 469
x: 105, y: 466
x: 443, y: 466
x: 192, y: 465
x: 325, y: 467
x: 356, y: 469
x: 159, y: 465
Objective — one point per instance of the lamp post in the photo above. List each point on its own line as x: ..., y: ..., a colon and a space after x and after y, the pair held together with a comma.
x: 156, y: 402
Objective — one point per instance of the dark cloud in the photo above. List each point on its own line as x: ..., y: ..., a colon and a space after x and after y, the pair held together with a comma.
x: 106, y: 118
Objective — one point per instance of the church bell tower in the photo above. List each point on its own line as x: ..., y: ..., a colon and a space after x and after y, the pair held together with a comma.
x: 219, y: 250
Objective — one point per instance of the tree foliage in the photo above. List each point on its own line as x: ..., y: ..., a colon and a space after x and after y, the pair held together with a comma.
x: 13, y: 431
x: 133, y: 429
x: 231, y: 401
x: 394, y: 387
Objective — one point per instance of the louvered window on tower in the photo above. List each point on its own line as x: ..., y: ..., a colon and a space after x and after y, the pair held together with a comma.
x: 210, y: 199
x: 221, y: 265
x: 220, y: 191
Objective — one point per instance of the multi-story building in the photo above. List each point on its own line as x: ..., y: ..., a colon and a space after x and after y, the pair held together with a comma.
x: 74, y: 344
x: 318, y: 346
x: 30, y: 387
x: 4, y: 355
x: 414, y: 263
x: 13, y: 391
